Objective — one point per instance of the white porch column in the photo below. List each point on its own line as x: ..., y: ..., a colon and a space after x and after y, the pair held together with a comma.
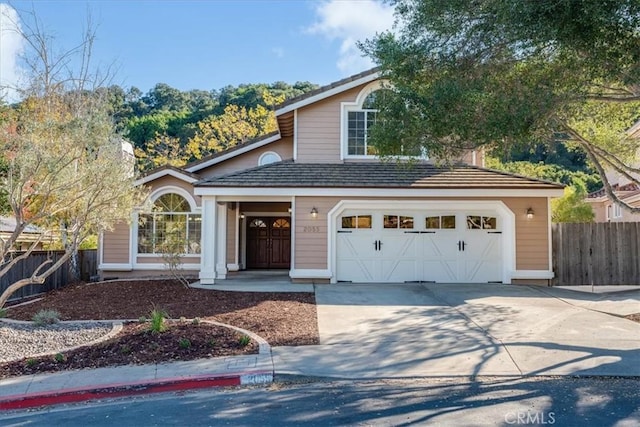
x: 208, y: 240
x: 221, y: 241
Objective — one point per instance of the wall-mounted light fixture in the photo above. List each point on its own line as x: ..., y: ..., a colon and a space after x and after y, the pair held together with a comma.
x: 241, y: 216
x: 530, y: 213
x: 314, y: 212
x: 289, y: 210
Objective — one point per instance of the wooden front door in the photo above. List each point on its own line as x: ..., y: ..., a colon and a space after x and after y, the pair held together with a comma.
x: 268, y: 242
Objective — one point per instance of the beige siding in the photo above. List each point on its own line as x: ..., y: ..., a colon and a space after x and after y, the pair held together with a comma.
x: 283, y: 147
x: 600, y: 211
x: 318, y: 127
x: 532, y: 238
x: 115, y: 245
x: 311, y: 233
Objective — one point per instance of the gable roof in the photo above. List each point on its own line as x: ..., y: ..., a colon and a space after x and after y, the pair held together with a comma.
x: 165, y: 170
x: 327, y: 91
x: 236, y: 150
x: 375, y: 175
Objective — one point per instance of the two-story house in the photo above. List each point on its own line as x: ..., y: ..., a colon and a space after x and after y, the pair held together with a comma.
x: 312, y: 198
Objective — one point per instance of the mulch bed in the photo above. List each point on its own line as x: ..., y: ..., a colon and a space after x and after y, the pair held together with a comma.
x: 280, y: 318
x: 137, y: 344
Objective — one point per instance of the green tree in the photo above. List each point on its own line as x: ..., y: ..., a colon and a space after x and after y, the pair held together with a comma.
x: 65, y: 168
x: 236, y: 125
x: 503, y: 73
x: 572, y: 207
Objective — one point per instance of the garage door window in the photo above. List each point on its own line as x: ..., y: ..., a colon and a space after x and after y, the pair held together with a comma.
x: 440, y: 222
x: 356, y: 221
x: 396, y: 221
x: 477, y: 222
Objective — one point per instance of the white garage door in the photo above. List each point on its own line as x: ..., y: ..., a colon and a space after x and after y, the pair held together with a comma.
x: 418, y: 246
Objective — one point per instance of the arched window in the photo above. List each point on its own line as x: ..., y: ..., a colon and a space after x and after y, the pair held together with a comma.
x: 171, y: 228
x: 359, y: 122
x: 268, y: 157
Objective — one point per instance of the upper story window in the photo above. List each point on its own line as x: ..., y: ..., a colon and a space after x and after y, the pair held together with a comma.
x: 359, y: 122
x: 358, y: 119
x: 170, y: 228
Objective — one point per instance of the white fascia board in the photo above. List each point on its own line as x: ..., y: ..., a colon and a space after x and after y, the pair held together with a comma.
x: 165, y: 172
x: 372, y: 192
x: 327, y: 93
x: 233, y: 153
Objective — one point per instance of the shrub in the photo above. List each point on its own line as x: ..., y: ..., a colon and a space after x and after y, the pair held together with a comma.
x: 46, y: 317
x: 125, y: 349
x: 157, y: 321
x: 31, y: 362
x: 244, y: 340
x: 212, y: 343
x: 142, y: 319
x: 184, y: 343
x: 3, y: 313
x: 196, y: 321
x: 59, y: 357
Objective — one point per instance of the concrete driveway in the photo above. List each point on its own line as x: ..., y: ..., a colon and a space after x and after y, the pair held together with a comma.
x: 409, y: 330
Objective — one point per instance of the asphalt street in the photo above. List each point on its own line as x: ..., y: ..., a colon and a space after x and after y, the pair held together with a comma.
x: 451, y: 402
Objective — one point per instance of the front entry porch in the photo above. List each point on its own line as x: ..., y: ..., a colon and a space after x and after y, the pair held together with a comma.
x: 249, y: 234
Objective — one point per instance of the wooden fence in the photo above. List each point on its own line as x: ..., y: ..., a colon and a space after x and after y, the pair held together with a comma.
x: 88, y: 260
x: 596, y: 253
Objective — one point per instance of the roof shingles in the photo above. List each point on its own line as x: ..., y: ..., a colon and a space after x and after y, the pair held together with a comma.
x: 374, y: 175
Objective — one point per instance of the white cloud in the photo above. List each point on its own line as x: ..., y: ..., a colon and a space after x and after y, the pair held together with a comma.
x: 11, y: 47
x: 351, y: 21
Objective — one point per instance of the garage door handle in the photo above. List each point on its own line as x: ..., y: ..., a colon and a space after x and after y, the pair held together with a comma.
x: 427, y: 232
x: 494, y: 232
x: 344, y: 231
x: 412, y: 232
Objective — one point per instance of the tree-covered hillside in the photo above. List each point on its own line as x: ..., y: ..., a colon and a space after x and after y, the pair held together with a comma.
x: 167, y: 125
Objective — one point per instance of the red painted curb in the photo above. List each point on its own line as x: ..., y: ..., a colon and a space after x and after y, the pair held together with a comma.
x: 55, y: 398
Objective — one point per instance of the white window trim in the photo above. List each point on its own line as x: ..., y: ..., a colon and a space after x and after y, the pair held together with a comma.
x: 617, y: 210
x: 345, y: 108
x: 155, y: 195
x: 268, y: 153
x: 608, y: 212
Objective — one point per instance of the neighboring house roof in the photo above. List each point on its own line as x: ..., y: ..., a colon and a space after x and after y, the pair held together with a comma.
x: 8, y: 225
x: 374, y: 175
x: 165, y: 170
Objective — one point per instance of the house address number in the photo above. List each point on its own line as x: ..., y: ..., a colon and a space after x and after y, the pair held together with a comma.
x: 311, y: 229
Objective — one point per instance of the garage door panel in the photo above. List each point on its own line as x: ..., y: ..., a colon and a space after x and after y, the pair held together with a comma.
x: 399, y: 270
x: 460, y: 251
x: 440, y: 271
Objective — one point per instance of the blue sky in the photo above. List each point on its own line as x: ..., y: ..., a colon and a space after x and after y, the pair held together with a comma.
x: 210, y: 44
